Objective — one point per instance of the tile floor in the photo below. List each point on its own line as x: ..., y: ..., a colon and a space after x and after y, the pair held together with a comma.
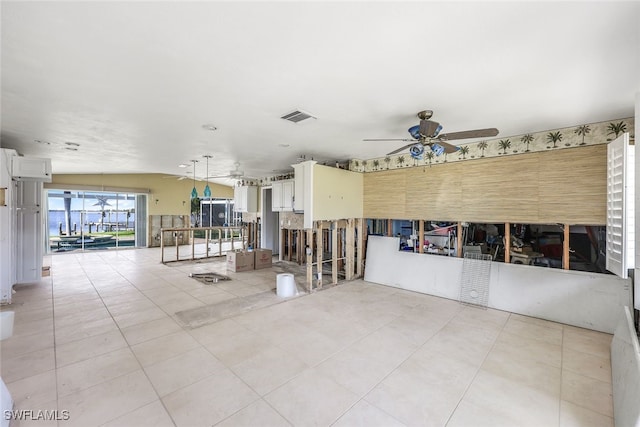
x: 99, y: 338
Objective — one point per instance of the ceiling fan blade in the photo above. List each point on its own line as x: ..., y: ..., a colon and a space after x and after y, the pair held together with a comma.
x: 448, y: 148
x: 478, y: 133
x: 386, y: 139
x: 401, y: 148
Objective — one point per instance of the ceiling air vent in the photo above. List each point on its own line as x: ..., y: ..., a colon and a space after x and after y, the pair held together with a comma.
x: 297, y: 116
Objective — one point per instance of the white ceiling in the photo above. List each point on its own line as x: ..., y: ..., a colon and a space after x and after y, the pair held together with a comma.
x: 133, y: 82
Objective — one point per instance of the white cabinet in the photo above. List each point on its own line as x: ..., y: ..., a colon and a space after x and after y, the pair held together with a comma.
x: 303, y: 173
x: 28, y: 228
x: 30, y: 169
x: 282, y: 196
x: 245, y: 198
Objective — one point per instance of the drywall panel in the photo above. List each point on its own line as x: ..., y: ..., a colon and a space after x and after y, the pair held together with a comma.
x: 434, y: 275
x: 625, y: 371
x: 576, y: 298
x: 337, y: 193
x: 587, y: 300
x: 384, y: 194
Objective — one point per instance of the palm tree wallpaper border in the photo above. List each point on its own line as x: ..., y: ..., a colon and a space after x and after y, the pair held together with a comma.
x: 556, y: 139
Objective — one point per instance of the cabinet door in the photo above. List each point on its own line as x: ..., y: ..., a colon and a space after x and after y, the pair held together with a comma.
x: 240, y: 199
x: 276, y: 197
x: 287, y: 196
x: 28, y: 168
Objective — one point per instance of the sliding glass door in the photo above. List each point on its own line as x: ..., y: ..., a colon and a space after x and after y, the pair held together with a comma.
x: 90, y: 220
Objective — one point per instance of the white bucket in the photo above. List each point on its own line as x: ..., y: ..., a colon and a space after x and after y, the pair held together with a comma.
x: 285, y: 285
x: 6, y: 324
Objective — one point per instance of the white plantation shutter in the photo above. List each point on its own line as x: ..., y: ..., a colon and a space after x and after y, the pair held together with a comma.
x: 620, y: 206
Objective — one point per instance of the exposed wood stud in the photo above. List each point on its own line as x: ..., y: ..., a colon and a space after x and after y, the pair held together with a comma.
x: 459, y: 241
x: 309, y: 255
x: 507, y: 242
x: 360, y: 245
x: 565, y: 248
x: 334, y: 253
x: 421, y: 236
x: 319, y: 253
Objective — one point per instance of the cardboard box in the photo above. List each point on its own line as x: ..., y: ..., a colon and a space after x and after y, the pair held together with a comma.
x: 263, y: 258
x: 238, y: 261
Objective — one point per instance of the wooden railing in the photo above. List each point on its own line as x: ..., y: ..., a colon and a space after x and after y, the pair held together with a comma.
x: 235, y: 236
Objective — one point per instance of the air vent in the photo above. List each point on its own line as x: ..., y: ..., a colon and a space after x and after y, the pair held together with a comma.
x: 297, y: 116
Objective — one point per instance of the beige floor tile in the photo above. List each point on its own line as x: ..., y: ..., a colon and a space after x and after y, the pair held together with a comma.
x: 531, y: 330
x: 88, y: 348
x: 108, y: 400
x: 130, y: 306
x: 592, y: 342
x: 28, y: 326
x: 27, y: 365
x: 183, y: 370
x: 424, y: 390
x: 587, y: 392
x: 209, y: 401
x: 258, y: 413
x: 184, y: 303
x: 151, y: 415
x: 82, y: 330
x: 386, y: 345
x: 494, y: 401
x: 142, y: 332
x: 572, y: 415
x: 87, y: 373
x: 587, y: 364
x: 34, y: 392
x: 293, y: 402
x: 223, y: 330
x: 355, y: 370
x: 365, y: 415
x: 522, y: 348
x: 163, y: 348
x: 269, y: 368
x: 531, y: 373
x: 136, y: 317
x: 237, y: 348
x: 22, y: 344
x: 73, y: 316
x: 462, y: 342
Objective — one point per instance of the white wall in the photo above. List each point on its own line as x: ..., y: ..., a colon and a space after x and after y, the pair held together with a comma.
x: 587, y: 300
x: 337, y: 193
x: 625, y: 371
x: 7, y: 261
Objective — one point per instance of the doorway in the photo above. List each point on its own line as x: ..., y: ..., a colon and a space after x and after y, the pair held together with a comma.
x: 269, y: 234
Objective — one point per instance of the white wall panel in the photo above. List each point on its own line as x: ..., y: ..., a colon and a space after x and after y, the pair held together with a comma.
x: 587, y: 300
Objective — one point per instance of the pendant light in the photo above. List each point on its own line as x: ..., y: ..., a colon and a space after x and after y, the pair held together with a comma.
x: 194, y: 192
x: 207, y: 190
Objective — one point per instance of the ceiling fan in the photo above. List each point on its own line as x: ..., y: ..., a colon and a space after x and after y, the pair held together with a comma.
x: 233, y: 174
x: 427, y: 133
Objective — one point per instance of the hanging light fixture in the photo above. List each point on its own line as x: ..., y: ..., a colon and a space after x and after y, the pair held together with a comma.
x: 207, y: 190
x: 194, y: 192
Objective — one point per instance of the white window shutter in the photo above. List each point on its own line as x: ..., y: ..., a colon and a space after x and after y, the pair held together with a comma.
x: 620, y: 206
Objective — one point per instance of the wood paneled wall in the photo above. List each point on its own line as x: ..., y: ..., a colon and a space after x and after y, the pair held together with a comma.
x: 562, y: 186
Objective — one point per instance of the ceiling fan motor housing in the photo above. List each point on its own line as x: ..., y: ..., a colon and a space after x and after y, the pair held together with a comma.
x: 429, y: 129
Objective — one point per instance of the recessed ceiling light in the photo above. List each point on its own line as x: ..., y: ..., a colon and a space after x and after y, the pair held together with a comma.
x: 72, y: 144
x: 39, y: 141
x: 284, y: 145
x: 183, y: 166
x: 209, y: 127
